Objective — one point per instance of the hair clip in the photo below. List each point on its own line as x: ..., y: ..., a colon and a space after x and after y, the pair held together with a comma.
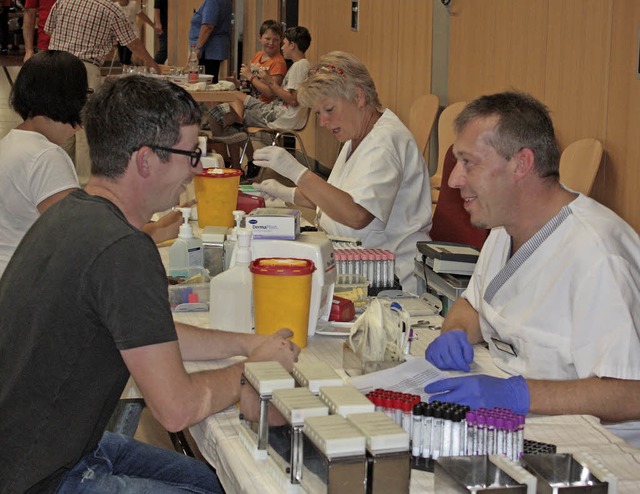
x: 329, y: 69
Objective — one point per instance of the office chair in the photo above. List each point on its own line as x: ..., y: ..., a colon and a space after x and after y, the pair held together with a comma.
x: 446, y: 137
x: 422, y: 116
x: 579, y: 164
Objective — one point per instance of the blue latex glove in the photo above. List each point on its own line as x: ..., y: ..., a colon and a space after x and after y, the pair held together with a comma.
x: 481, y: 390
x: 450, y: 351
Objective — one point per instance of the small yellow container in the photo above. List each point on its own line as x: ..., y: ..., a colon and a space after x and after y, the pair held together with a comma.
x: 282, y: 295
x: 217, y: 194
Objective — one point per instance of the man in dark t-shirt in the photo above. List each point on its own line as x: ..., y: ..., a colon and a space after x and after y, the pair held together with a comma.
x: 83, y: 304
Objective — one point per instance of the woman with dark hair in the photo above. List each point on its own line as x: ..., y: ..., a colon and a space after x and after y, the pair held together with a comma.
x: 35, y: 172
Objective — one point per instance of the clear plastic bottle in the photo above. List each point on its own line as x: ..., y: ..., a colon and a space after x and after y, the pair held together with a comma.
x: 192, y: 66
x: 187, y: 250
x: 231, y: 292
x: 230, y: 244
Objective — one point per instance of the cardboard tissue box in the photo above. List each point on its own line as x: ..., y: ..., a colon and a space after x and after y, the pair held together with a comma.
x: 274, y: 223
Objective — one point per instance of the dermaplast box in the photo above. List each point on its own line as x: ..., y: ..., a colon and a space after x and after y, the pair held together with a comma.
x: 279, y: 223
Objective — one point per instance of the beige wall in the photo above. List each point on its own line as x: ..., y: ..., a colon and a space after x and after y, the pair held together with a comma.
x: 577, y: 56
x: 394, y: 46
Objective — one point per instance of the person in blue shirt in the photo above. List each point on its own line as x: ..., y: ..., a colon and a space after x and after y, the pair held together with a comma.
x: 210, y: 32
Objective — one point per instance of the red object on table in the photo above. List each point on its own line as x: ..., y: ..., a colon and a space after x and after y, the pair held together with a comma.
x: 342, y: 310
x: 248, y: 202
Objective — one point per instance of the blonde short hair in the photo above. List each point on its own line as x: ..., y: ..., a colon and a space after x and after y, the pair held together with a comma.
x: 338, y: 74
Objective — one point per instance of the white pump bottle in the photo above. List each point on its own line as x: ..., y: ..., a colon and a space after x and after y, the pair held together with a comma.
x: 187, y: 250
x: 231, y: 244
x: 231, y: 292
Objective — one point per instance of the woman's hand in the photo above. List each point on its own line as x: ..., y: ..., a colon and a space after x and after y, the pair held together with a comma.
x: 279, y: 160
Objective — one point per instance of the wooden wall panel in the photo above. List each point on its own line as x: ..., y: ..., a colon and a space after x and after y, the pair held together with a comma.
x: 250, y: 28
x: 579, y: 57
x: 577, y: 64
x: 331, y: 31
x: 179, y: 15
x: 393, y: 40
x: 617, y: 184
x: 490, y: 52
x: 379, y: 25
x: 414, y: 60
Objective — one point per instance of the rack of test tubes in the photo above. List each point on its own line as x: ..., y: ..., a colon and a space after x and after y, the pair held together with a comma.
x: 388, y: 459
x: 376, y: 265
x: 330, y: 439
x: 313, y: 375
x: 334, y: 456
x: 265, y: 378
x: 445, y: 429
x: 285, y: 447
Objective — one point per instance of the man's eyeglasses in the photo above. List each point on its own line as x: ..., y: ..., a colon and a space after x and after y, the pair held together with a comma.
x: 194, y: 156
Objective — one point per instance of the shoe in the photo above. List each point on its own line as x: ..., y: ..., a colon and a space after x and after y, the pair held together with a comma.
x: 230, y: 136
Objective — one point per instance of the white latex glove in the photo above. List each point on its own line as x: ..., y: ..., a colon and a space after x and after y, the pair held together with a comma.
x: 276, y: 190
x: 279, y: 160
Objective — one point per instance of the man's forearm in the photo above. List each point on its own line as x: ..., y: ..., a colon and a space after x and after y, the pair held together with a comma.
x: 212, y: 344
x: 463, y: 316
x: 206, y: 30
x: 612, y: 400
x: 138, y: 49
x: 28, y: 28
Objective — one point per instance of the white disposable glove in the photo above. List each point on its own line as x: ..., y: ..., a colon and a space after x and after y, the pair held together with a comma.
x: 275, y: 189
x: 279, y: 160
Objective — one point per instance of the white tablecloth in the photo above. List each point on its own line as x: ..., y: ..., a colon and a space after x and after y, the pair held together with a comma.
x: 219, y: 441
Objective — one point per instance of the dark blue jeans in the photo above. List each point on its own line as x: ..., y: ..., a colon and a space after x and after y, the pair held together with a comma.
x: 161, y: 54
x: 122, y: 464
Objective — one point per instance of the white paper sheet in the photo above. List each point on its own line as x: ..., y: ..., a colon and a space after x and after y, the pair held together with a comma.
x: 409, y: 377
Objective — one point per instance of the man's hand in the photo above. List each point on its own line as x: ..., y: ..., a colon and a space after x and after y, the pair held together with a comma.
x: 168, y: 226
x: 279, y: 160
x: 276, y: 347
x: 450, y: 351
x: 275, y: 189
x: 483, y: 391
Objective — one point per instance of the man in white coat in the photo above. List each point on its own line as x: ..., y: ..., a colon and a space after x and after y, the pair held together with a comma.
x: 555, y: 292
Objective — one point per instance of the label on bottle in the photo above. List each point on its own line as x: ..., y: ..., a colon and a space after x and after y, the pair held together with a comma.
x: 195, y: 256
x: 193, y: 77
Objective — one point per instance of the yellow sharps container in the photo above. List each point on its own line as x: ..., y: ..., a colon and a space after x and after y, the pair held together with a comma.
x: 282, y: 295
x: 217, y: 194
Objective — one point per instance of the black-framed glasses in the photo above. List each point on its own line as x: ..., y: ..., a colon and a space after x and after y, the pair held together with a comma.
x: 194, y: 156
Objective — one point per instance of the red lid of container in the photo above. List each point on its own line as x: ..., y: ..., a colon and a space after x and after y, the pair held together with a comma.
x: 282, y: 266
x: 220, y: 173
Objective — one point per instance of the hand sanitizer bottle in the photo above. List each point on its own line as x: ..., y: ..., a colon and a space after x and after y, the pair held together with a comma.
x: 187, y: 250
x: 230, y: 245
x: 231, y: 292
